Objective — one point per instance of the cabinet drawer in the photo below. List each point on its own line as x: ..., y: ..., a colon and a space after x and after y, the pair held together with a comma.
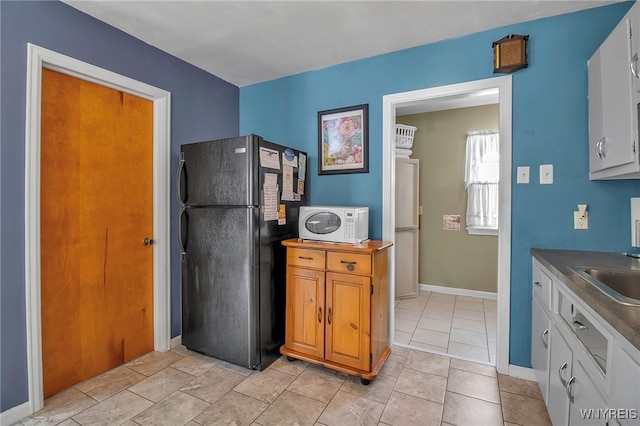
x: 542, y: 287
x: 306, y: 258
x: 349, y: 263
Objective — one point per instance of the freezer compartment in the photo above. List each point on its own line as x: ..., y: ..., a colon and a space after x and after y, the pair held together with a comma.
x: 219, y: 173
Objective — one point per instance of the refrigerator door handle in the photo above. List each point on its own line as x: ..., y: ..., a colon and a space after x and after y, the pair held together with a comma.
x: 181, y: 234
x: 181, y: 171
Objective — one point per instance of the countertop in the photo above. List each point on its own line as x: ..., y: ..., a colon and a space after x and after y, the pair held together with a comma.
x: 366, y: 247
x: 623, y: 318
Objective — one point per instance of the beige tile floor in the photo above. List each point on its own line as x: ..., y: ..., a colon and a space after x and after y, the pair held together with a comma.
x: 462, y: 326
x: 180, y: 387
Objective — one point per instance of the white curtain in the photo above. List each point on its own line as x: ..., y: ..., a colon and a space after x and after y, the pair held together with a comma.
x: 482, y: 172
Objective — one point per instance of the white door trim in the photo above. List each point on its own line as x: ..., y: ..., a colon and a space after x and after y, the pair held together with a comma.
x: 389, y: 104
x: 37, y: 59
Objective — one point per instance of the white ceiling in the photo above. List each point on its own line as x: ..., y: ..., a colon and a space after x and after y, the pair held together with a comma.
x: 247, y: 42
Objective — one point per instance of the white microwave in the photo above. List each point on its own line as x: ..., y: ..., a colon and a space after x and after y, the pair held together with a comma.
x: 340, y: 224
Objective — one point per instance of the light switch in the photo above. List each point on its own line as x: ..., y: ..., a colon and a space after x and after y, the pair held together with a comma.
x: 546, y: 174
x: 523, y: 174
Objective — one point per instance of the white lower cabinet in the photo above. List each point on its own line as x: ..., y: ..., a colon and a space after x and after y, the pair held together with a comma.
x: 585, y: 398
x: 588, y: 373
x: 560, y: 368
x: 625, y: 392
x: 573, y: 397
x: 540, y: 341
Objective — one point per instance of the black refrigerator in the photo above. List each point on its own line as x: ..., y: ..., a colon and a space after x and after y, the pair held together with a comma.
x: 233, y: 267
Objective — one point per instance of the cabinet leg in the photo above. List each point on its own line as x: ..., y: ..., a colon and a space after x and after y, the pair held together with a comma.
x: 290, y: 358
x: 364, y: 381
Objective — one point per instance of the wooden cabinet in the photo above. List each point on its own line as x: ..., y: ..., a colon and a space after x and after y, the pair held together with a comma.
x: 336, y: 307
x: 613, y: 103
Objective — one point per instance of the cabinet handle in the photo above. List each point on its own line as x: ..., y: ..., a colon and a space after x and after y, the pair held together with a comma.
x: 305, y: 258
x: 329, y: 317
x: 542, y: 337
x: 600, y: 148
x: 350, y: 266
x: 320, y: 314
x: 568, y: 387
x: 537, y: 283
x: 578, y: 325
x: 560, y: 370
x: 633, y: 65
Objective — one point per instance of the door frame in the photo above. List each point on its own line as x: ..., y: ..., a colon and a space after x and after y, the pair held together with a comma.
x: 389, y: 105
x: 37, y: 59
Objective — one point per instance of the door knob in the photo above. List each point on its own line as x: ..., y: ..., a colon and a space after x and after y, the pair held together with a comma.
x: 148, y: 241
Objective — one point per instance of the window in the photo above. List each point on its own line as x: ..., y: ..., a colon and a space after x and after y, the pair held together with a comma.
x: 482, y: 176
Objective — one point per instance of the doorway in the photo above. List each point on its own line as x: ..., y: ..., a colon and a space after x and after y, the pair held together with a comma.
x: 455, y: 310
x: 39, y: 58
x: 443, y: 96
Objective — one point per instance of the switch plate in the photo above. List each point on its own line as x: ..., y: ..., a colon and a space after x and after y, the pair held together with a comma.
x: 580, y: 222
x: 523, y: 174
x: 546, y: 174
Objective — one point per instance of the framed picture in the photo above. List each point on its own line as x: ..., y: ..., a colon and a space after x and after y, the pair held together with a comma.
x: 343, y: 140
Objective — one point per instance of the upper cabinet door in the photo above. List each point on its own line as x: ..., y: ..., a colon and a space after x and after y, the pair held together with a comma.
x: 612, y: 139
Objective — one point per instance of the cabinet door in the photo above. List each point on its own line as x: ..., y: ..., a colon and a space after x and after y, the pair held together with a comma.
x: 611, y: 119
x: 586, y: 399
x: 634, y: 13
x: 348, y: 322
x: 305, y: 311
x: 559, y: 372
x: 625, y: 390
x: 540, y: 346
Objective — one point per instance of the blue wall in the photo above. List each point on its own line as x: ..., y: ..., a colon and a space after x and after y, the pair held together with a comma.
x: 203, y: 107
x: 550, y: 126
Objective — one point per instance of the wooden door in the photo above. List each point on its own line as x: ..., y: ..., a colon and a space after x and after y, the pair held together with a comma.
x: 96, y: 209
x: 347, y: 331
x: 305, y: 311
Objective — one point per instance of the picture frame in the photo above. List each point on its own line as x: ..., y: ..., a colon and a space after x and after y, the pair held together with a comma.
x: 343, y: 140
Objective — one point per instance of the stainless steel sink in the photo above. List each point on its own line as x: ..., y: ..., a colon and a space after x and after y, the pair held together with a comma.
x: 621, y: 285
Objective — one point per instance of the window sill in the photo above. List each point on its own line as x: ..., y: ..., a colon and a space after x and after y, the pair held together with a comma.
x: 482, y: 231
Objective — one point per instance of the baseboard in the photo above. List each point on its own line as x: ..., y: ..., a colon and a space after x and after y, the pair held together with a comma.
x: 176, y: 341
x: 15, y: 414
x: 522, y: 372
x: 458, y: 291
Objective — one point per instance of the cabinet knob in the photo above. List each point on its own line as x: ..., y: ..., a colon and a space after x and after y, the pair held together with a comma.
x: 350, y: 266
x: 148, y: 241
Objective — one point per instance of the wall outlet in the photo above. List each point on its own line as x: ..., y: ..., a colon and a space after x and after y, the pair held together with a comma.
x: 580, y: 222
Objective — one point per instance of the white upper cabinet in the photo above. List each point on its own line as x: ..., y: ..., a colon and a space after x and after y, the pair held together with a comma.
x: 614, y: 94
